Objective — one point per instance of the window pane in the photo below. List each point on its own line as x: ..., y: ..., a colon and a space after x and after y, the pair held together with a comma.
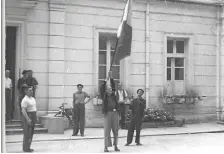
x: 102, y: 72
x: 102, y: 42
x: 179, y: 73
x: 168, y: 73
x: 180, y: 46
x: 168, y: 62
x: 113, y: 40
x: 116, y: 72
x: 169, y: 46
x: 179, y: 62
x: 102, y: 57
x: 99, y: 84
x: 116, y: 62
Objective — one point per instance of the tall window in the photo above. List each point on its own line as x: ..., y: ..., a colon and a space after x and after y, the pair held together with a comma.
x: 176, y: 64
x: 106, y: 51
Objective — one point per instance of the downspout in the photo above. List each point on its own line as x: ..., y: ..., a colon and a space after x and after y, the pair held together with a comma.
x: 147, y: 55
x: 218, y: 41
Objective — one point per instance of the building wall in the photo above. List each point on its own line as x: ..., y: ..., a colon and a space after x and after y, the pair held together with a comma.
x: 60, y: 47
x: 198, y: 21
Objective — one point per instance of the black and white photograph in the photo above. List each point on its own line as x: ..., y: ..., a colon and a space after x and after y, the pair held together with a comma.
x: 112, y: 76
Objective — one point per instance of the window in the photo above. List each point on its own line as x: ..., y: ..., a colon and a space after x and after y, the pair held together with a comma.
x: 175, y: 60
x: 106, y: 52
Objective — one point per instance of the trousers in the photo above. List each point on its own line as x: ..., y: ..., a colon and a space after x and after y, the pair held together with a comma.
x: 134, y: 124
x: 79, y: 118
x: 122, y: 114
x: 8, y: 104
x: 111, y: 121
x: 28, y: 130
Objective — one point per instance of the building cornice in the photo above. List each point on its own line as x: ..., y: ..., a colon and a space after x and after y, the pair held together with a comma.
x: 206, y: 2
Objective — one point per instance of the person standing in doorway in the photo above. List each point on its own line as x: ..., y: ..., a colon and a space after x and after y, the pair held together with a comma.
x: 122, y: 96
x: 79, y: 110
x: 8, y: 96
x: 22, y: 83
x: 111, y: 118
x: 32, y: 81
x: 29, y: 118
x: 137, y: 106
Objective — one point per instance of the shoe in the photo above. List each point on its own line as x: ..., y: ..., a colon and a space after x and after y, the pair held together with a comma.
x: 31, y: 150
x: 127, y: 144
x: 138, y: 144
x: 106, y: 150
x: 82, y: 135
x: 74, y: 134
x: 116, y: 149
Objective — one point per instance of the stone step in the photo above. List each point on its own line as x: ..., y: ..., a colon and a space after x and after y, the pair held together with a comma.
x: 14, y: 122
x: 19, y: 126
x: 20, y: 131
x: 220, y: 122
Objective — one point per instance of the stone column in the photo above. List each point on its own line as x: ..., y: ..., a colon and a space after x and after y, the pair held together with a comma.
x: 56, y: 55
x: 147, y: 41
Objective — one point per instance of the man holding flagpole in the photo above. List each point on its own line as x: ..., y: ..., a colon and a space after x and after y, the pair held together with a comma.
x: 107, y: 90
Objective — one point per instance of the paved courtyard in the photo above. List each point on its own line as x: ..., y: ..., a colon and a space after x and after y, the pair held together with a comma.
x: 205, y: 142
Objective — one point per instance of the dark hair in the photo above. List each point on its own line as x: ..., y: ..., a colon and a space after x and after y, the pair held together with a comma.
x: 80, y: 85
x: 140, y: 90
x: 27, y: 87
x: 24, y: 72
x: 29, y: 71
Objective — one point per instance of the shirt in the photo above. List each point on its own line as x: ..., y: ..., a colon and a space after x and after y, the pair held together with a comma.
x: 111, y: 103
x: 121, y: 98
x: 8, y: 83
x: 29, y: 104
x: 79, y: 97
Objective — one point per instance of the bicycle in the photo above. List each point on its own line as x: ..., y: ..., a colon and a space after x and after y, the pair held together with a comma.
x: 65, y: 112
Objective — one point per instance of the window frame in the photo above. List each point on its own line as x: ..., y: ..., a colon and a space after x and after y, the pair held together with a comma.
x: 96, y: 33
x: 188, y: 54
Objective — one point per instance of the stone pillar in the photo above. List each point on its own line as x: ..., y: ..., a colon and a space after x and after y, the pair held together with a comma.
x: 221, y: 64
x: 56, y: 55
x: 147, y: 41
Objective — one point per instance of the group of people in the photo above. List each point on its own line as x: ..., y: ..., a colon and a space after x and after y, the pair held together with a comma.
x: 26, y: 88
x: 113, y: 108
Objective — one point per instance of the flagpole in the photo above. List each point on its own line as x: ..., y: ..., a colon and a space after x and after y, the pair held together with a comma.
x: 114, y: 54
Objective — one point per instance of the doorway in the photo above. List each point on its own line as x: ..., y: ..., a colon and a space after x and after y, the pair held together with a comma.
x: 10, y: 62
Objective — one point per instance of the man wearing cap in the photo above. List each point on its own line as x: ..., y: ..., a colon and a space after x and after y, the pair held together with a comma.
x: 8, y: 96
x: 111, y: 117
x: 32, y: 81
x: 137, y: 106
x: 79, y: 110
x: 22, y: 83
x: 121, y: 96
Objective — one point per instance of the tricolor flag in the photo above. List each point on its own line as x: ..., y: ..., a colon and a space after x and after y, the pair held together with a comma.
x: 124, y: 35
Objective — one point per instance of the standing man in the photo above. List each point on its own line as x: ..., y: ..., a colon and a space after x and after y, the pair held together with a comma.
x: 32, y: 81
x: 22, y: 83
x: 108, y: 82
x: 111, y: 118
x: 8, y: 96
x: 29, y: 118
x: 79, y: 110
x: 138, y: 105
x: 121, y: 96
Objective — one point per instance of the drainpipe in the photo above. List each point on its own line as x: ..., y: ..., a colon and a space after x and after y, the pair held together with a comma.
x: 147, y: 55
x: 218, y: 48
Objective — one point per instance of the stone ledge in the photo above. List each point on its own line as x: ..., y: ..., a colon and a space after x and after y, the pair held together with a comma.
x: 55, y: 125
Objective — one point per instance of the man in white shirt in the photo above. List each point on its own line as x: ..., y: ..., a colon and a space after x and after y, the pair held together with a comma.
x: 122, y: 96
x: 29, y: 118
x: 8, y: 96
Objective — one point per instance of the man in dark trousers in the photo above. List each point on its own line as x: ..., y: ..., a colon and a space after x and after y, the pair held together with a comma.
x: 32, y: 81
x: 29, y: 118
x: 22, y: 83
x: 121, y: 96
x: 79, y: 110
x: 137, y: 106
x: 111, y: 118
x: 8, y: 96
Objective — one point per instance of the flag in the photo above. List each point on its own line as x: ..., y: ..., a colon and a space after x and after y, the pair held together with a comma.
x: 124, y: 35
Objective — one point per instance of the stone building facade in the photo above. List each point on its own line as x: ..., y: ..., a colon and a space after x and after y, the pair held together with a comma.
x: 66, y: 42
